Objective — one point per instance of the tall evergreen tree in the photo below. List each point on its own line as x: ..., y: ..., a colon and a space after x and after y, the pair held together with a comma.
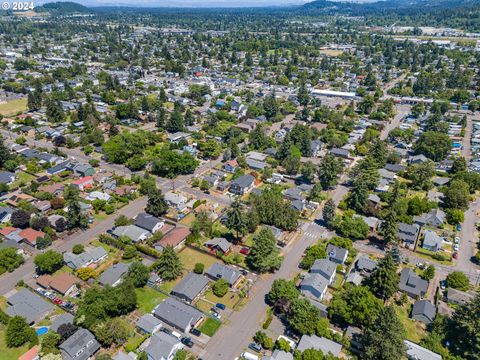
x: 383, y: 340
x: 264, y: 255
x: 156, y: 204
x: 328, y: 213
x: 389, y: 228
x: 236, y: 219
x: 384, y: 280
x: 168, y: 266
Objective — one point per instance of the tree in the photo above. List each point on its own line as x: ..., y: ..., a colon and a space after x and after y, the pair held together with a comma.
x: 20, y: 218
x: 458, y: 280
x: 86, y: 273
x: 176, y: 122
x: 9, y: 259
x: 5, y: 153
x: 313, y: 253
x: 202, y: 223
x: 66, y: 330
x: 384, y: 338
x: 170, y: 164
x: 459, y: 165
x: 156, y: 204
x: 129, y: 252
x: 328, y: 171
x: 138, y: 273
x: 48, y: 262
x: 464, y: 328
x: 236, y: 219
x: 303, y: 316
x: 328, y: 213
x: 270, y: 106
x: 75, y: 216
x: 199, y: 268
x: 457, y: 195
x: 282, y: 289
x: 168, y: 265
x: 220, y: 288
x: 434, y: 145
x: 78, y: 249
x: 264, y: 255
x: 308, y: 171
x: 389, y: 228
x: 355, y: 306
x: 358, y: 198
x: 18, y: 332
x: 113, y: 331
x: 429, y: 273
x: 49, y: 343
x: 282, y: 345
x: 384, y: 280
x: 421, y: 174
x: 61, y: 225
x: 44, y: 242
x: 351, y: 226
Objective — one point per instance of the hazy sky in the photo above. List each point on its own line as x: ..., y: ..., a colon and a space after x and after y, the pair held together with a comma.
x: 189, y: 3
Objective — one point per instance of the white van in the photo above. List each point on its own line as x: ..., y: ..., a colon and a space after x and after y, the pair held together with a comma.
x: 177, y: 335
x: 249, y: 356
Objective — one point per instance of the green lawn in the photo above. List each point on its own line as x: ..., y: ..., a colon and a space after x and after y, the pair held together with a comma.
x: 210, y: 327
x: 22, y: 179
x: 12, y: 107
x: 189, y: 257
x: 10, y: 353
x: 415, y: 330
x: 226, y: 300
x: 148, y: 298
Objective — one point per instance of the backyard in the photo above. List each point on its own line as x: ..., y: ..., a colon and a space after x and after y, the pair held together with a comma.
x: 10, y: 353
x: 414, y: 329
x: 189, y: 257
x: 12, y: 107
x: 148, y: 298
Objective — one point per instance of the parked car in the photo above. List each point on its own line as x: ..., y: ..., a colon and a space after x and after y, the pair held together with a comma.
x: 455, y: 255
x: 421, y: 266
x: 443, y: 284
x: 457, y: 240
x: 195, y: 332
x: 220, y: 306
x: 455, y: 247
x: 187, y: 341
x: 245, y: 250
x: 217, y: 315
x: 459, y: 227
x: 255, y: 347
x: 57, y: 301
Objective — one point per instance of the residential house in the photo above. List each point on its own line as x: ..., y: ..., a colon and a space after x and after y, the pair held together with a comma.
x: 436, y: 217
x: 162, y: 346
x: 219, y: 271
x: 30, y: 236
x: 89, y: 256
x: 31, y: 354
x: 230, y: 166
x: 242, y: 184
x: 458, y: 297
x: 221, y: 245
x: 60, y: 320
x: 337, y: 254
x: 412, y: 284
x: 417, y: 159
x: 424, y: 311
x: 365, y: 265
x: 6, y: 214
x: 324, y: 267
x: 175, y: 200
x: 6, y: 177
x: 82, y: 345
x: 341, y: 153
x: 148, y: 324
x: 279, y: 355
x: 190, y: 287
x: 408, y: 234
x: 431, y: 241
x: 174, y: 238
x: 28, y: 305
x: 417, y: 352
x: 149, y: 222
x: 316, y: 147
x: 97, y: 195
x: 63, y: 283
x: 114, y: 274
x: 323, y: 344
x: 178, y: 314
x: 84, y: 183
x: 314, y: 285
x: 56, y: 189
x: 135, y: 233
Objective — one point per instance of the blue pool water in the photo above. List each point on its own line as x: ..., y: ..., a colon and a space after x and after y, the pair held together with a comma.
x: 42, y: 330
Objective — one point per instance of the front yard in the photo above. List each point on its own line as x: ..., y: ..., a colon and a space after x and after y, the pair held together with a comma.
x: 189, y: 257
x: 210, y: 326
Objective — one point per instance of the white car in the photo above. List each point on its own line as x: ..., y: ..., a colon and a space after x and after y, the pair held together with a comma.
x: 457, y: 240
x: 455, y: 247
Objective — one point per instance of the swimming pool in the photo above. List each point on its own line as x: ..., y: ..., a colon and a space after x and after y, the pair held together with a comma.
x: 42, y: 330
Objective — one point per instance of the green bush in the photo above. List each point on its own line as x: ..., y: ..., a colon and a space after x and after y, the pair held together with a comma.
x: 220, y: 288
x: 198, y: 269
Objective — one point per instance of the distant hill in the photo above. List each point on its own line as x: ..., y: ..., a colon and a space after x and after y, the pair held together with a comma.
x: 63, y: 8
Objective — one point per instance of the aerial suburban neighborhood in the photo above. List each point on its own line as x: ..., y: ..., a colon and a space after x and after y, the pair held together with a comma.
x: 299, y: 182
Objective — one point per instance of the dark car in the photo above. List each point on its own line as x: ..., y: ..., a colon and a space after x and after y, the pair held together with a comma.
x: 255, y: 347
x: 195, y: 332
x: 245, y: 250
x: 187, y: 341
x: 220, y: 306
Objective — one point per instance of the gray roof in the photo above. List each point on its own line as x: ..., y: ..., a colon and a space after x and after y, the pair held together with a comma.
x: 336, y: 253
x: 148, y: 323
x: 190, y: 286
x: 61, y: 319
x: 243, y: 181
x: 279, y: 355
x: 29, y: 305
x: 314, y: 285
x: 417, y: 352
x: 220, y: 271
x: 221, y: 243
x: 395, y: 167
x: 161, y: 346
x: 411, y: 283
x: 319, y: 343
x: 365, y: 263
x: 133, y: 232
x: 113, y: 273
x: 177, y: 314
x: 6, y: 177
x: 425, y: 308
x: 85, y: 258
x: 407, y: 232
x: 432, y: 240
x: 324, y: 267
x: 147, y: 221
x: 80, y: 346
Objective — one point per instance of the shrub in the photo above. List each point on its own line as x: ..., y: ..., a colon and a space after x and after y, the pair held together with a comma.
x: 220, y: 288
x: 198, y: 269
